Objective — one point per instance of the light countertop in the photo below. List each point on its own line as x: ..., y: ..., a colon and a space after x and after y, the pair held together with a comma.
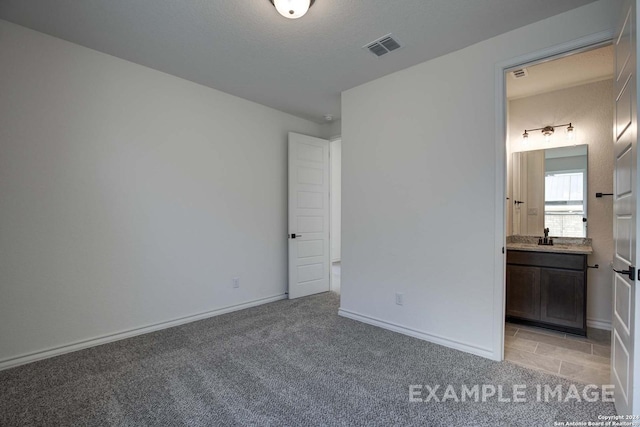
x: 566, y: 245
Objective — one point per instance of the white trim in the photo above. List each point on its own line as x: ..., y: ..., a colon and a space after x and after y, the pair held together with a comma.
x: 333, y: 287
x: 500, y: 243
x: 91, y: 342
x: 600, y: 324
x: 425, y: 336
x: 330, y: 216
x: 331, y: 236
x: 500, y: 156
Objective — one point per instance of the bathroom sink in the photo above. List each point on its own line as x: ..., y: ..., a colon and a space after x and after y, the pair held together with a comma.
x: 560, y: 245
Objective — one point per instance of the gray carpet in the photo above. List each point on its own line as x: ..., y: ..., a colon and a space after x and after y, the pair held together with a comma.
x: 285, y: 363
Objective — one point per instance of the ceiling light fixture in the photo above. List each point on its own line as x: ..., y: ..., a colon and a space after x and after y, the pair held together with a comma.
x: 292, y: 9
x: 548, y: 131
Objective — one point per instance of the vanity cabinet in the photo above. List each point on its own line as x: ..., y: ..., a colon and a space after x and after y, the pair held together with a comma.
x: 548, y: 290
x: 523, y: 292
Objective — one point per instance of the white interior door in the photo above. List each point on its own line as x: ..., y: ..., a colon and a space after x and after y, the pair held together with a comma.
x: 516, y: 192
x: 309, y: 249
x: 624, y: 335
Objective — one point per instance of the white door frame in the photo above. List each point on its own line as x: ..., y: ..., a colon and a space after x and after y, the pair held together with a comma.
x: 332, y: 139
x: 557, y: 51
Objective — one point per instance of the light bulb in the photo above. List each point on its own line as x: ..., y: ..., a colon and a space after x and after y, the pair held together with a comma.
x: 547, y: 131
x: 525, y: 136
x: 571, y: 132
x: 292, y: 9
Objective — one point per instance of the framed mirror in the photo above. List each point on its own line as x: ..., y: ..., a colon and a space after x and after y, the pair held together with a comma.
x: 549, y: 190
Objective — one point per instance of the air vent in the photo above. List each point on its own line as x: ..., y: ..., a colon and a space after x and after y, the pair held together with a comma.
x: 383, y: 45
x: 377, y: 49
x: 520, y: 73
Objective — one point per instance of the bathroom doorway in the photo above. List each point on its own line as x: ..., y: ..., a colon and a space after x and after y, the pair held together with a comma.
x: 558, y: 157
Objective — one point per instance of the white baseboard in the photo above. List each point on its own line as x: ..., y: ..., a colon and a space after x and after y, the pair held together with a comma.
x: 436, y: 339
x: 92, y: 342
x: 599, y: 324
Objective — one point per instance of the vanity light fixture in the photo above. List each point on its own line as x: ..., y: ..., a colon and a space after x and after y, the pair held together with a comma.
x: 292, y: 9
x: 548, y: 131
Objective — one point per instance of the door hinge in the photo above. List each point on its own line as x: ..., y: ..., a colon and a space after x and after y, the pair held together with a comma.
x: 503, y: 249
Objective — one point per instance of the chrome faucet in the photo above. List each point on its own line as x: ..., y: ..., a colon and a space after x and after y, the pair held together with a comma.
x: 546, y: 233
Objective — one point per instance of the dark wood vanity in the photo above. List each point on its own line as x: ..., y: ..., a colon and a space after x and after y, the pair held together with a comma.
x: 547, y: 289
x: 546, y: 274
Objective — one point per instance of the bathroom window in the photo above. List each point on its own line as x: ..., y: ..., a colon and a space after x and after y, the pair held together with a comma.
x: 564, y: 206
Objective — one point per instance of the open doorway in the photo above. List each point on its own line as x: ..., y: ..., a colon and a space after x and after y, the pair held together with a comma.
x: 559, y: 155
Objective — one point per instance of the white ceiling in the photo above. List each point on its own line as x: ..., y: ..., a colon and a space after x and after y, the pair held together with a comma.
x: 574, y: 70
x: 245, y: 48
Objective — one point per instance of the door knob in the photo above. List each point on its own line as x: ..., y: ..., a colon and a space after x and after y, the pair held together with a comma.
x: 631, y: 272
x: 293, y: 236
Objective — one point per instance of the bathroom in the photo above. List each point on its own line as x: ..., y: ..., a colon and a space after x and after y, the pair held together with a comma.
x: 560, y: 172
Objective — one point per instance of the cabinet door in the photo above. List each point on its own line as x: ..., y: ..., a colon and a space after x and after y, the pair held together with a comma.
x: 562, y: 297
x: 523, y: 292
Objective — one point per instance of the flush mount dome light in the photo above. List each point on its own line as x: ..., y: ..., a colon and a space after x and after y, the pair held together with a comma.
x: 292, y: 9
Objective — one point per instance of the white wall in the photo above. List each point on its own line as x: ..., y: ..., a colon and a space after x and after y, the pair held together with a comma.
x: 419, y: 189
x: 590, y: 110
x: 129, y: 197
x: 332, y: 130
x: 336, y: 198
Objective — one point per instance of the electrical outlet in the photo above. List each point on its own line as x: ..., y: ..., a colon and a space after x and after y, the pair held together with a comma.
x: 399, y: 299
x: 236, y: 282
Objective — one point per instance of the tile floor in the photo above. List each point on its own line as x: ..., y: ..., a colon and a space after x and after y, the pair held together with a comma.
x: 585, y: 360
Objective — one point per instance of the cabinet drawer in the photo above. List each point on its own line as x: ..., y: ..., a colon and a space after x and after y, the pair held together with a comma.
x: 543, y: 259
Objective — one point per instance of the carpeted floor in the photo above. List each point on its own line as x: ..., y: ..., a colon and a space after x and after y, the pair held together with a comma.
x: 286, y: 363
